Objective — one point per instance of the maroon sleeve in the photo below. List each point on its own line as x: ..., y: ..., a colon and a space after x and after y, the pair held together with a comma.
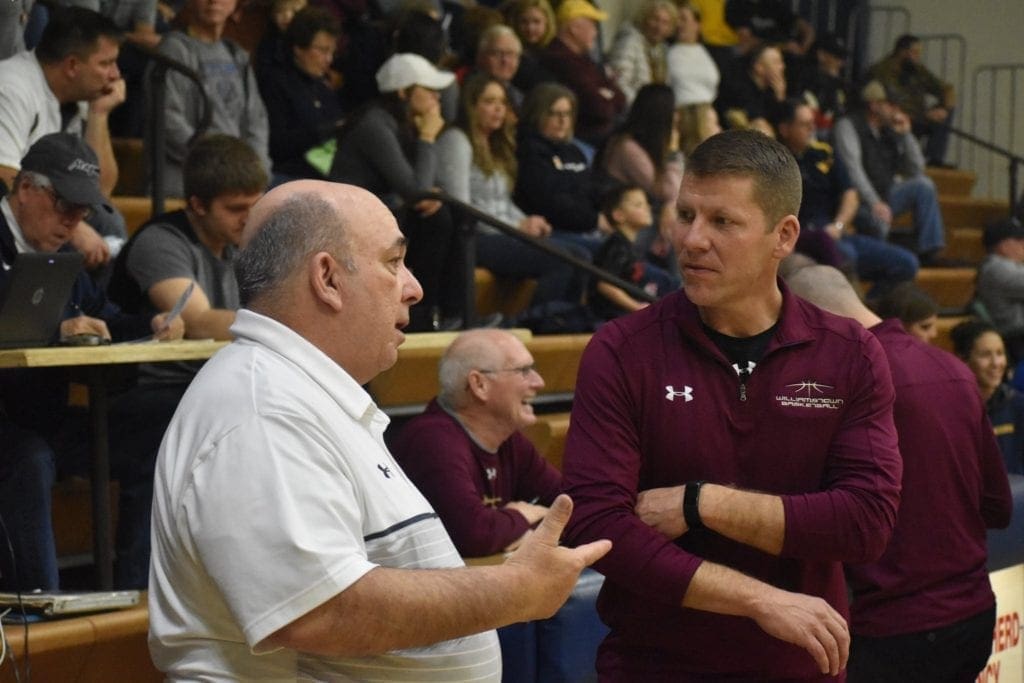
x: 589, y: 81
x: 996, y: 497
x: 601, y: 473
x: 852, y: 518
x: 436, y: 456
x: 535, y: 477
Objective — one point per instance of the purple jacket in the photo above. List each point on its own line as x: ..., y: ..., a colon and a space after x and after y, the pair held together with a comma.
x: 467, y: 486
x: 933, y: 573
x: 657, y: 404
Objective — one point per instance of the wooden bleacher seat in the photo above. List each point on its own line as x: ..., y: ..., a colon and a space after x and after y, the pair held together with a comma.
x: 965, y: 244
x: 413, y: 379
x: 95, y: 648
x: 137, y: 209
x: 131, y: 166
x: 71, y: 511
x: 971, y: 212
x: 952, y: 288
x: 952, y: 181
x: 557, y: 357
x: 502, y: 295
x: 944, y: 325
x: 548, y: 436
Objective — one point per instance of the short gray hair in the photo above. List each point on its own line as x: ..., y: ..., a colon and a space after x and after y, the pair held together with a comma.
x: 304, y: 225
x: 491, y: 35
x: 470, y: 351
x: 33, y: 178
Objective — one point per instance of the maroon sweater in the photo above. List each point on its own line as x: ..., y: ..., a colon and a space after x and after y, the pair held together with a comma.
x: 657, y: 404
x: 600, y: 102
x: 954, y: 486
x: 468, y: 486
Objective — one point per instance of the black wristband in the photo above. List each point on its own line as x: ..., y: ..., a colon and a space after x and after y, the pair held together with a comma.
x: 691, y: 505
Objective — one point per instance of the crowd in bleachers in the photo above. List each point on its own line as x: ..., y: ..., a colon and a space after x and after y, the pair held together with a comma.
x: 316, y: 92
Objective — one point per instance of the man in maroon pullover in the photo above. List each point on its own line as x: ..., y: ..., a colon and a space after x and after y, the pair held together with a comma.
x: 925, y: 610
x: 466, y: 453
x: 737, y: 445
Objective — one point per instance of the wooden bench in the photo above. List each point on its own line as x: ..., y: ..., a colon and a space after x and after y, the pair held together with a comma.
x: 952, y: 288
x: 507, y: 296
x: 548, y: 435
x: 944, y: 325
x: 557, y: 357
x: 95, y: 648
x: 413, y: 379
x: 137, y: 210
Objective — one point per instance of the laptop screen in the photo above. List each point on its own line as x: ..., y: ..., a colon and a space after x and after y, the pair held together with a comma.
x: 32, y: 302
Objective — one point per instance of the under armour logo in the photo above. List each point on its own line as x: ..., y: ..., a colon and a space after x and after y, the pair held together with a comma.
x: 671, y: 393
x: 492, y: 473
x: 386, y: 471
x: 747, y: 370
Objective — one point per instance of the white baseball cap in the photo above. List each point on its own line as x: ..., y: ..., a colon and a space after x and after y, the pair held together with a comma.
x: 406, y: 69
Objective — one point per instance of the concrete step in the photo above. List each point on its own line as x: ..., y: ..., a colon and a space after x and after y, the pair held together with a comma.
x: 952, y: 181
x: 952, y: 288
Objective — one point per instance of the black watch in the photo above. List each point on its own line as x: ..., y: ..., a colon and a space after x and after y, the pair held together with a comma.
x: 691, y: 505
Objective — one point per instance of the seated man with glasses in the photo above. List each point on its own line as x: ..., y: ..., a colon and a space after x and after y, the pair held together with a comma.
x: 50, y: 196
x: 466, y: 454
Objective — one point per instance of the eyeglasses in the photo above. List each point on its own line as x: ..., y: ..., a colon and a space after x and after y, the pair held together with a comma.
x: 504, y: 54
x: 560, y: 113
x: 66, y: 208
x: 523, y: 370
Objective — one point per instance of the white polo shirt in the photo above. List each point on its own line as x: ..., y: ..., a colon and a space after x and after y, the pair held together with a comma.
x: 274, y: 492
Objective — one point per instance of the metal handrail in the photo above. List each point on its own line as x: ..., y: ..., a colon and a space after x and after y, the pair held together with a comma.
x: 1014, y: 161
x: 999, y: 116
x: 472, y: 215
x: 157, y: 137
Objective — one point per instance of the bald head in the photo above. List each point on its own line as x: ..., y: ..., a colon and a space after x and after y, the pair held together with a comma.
x: 827, y: 288
x: 471, y: 350
x: 294, y: 221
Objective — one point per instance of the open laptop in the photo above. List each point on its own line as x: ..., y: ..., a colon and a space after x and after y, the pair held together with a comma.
x: 38, y: 288
x: 71, y: 602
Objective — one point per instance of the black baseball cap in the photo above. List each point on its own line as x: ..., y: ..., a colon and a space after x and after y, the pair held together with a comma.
x: 833, y: 44
x: 1007, y: 228
x: 71, y: 166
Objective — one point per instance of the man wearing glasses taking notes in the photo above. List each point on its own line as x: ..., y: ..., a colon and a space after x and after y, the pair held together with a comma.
x: 50, y: 195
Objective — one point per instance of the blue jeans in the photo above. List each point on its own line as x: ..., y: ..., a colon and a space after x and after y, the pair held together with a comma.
x: 27, y: 474
x: 883, y: 264
x: 138, y: 420
x: 556, y: 280
x: 918, y: 195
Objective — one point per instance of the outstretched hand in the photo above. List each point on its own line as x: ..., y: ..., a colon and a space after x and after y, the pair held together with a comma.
x: 553, y: 570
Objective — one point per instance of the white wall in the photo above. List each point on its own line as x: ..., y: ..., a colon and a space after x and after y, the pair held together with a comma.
x: 992, y: 29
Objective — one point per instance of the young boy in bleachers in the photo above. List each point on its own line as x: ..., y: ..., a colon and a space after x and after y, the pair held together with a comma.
x: 628, y: 212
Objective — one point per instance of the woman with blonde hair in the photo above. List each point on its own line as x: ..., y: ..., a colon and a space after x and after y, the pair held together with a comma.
x: 477, y: 165
x: 638, y: 55
x: 696, y: 123
x: 532, y: 20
